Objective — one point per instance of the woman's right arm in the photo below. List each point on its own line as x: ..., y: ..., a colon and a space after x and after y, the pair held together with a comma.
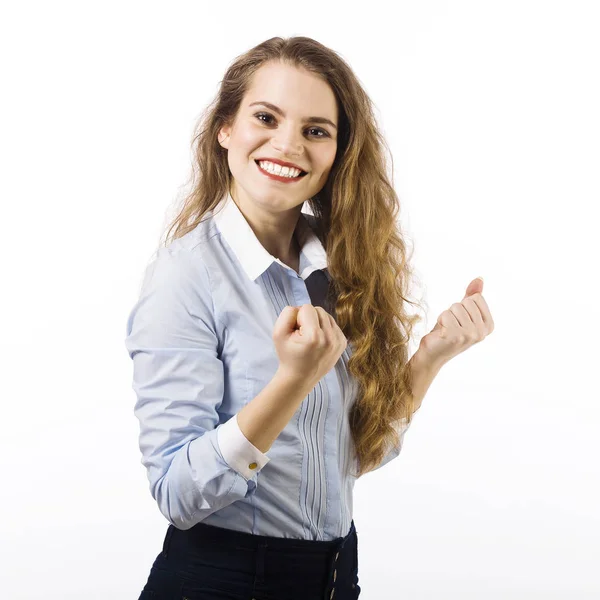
x: 195, y: 465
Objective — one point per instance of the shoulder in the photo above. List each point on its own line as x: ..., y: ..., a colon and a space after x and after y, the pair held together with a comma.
x: 183, y: 260
x: 178, y: 272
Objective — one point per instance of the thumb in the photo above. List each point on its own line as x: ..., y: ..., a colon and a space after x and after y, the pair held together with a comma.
x: 475, y: 287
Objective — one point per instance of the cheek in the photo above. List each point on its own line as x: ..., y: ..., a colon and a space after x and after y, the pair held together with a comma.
x: 250, y: 137
x: 328, y: 156
x: 326, y: 162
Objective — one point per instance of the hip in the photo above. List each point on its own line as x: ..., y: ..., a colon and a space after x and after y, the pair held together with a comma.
x: 207, y: 562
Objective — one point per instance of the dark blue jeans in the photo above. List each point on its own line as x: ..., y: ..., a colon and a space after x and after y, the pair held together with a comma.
x: 210, y: 563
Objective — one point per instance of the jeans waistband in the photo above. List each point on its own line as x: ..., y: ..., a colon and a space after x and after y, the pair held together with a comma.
x: 253, y: 541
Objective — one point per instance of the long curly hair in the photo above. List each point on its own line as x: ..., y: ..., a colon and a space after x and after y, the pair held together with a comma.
x: 356, y: 215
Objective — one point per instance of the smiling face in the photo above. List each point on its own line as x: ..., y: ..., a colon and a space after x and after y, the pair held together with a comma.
x: 295, y: 128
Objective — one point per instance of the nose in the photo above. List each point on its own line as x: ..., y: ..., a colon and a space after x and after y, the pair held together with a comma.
x: 286, y: 142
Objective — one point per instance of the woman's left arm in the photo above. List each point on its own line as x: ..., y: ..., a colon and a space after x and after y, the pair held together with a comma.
x: 464, y: 324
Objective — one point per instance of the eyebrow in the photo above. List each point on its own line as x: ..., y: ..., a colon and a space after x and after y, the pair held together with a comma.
x: 306, y: 120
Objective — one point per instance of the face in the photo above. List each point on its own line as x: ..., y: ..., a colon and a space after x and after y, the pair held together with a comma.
x: 297, y: 133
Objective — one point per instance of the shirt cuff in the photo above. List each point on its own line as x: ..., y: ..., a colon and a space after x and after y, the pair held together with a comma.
x: 238, y: 452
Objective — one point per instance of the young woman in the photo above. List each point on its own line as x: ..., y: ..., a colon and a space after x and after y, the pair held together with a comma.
x: 270, y: 346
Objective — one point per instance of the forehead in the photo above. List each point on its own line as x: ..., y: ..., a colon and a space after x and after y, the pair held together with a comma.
x: 295, y: 90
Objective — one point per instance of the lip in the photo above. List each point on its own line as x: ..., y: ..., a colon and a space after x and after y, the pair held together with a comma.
x: 281, y: 162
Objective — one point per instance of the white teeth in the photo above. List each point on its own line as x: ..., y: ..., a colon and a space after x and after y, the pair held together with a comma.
x: 279, y: 170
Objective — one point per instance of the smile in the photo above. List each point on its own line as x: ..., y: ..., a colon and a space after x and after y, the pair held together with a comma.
x: 280, y: 178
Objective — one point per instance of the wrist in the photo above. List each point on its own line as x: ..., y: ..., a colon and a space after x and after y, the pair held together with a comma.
x: 423, y: 372
x: 289, y: 377
x: 423, y: 362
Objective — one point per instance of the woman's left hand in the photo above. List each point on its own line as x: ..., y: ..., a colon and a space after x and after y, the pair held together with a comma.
x: 458, y: 328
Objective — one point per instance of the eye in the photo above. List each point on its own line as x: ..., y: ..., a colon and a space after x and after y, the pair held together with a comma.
x: 270, y: 116
x: 325, y: 134
x: 258, y: 115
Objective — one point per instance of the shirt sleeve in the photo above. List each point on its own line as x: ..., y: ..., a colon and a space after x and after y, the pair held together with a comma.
x: 195, y: 464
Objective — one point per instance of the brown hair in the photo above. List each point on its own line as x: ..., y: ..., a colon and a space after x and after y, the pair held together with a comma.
x: 356, y: 214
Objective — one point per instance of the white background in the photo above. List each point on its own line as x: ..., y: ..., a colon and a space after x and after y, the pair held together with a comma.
x: 491, y: 111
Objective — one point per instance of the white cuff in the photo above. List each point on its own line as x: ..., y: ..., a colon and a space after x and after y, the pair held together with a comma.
x: 241, y: 455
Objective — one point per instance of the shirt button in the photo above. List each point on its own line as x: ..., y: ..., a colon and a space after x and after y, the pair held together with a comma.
x: 252, y: 465
x: 334, y: 574
x: 332, y: 592
x: 336, y: 556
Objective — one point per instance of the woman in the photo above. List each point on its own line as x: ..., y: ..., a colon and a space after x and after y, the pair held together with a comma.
x: 270, y: 346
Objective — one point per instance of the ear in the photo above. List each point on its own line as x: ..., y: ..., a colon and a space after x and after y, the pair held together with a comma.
x: 223, y: 136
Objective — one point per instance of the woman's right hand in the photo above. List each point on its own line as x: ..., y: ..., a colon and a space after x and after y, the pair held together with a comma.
x: 308, y: 342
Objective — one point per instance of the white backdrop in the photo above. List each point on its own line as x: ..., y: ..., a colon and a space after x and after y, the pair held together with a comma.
x: 491, y: 110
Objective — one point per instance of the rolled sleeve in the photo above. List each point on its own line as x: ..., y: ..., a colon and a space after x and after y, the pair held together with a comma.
x: 238, y: 451
x: 178, y: 378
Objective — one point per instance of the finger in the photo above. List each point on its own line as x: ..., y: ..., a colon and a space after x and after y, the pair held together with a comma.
x: 486, y: 315
x: 461, y: 315
x: 324, y: 319
x: 337, y: 335
x: 327, y: 325
x: 308, y: 319
x: 334, y: 324
x: 290, y: 318
x: 473, y: 309
x: 447, y: 322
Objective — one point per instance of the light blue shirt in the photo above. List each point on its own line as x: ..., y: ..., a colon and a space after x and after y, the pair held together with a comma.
x: 200, y: 338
